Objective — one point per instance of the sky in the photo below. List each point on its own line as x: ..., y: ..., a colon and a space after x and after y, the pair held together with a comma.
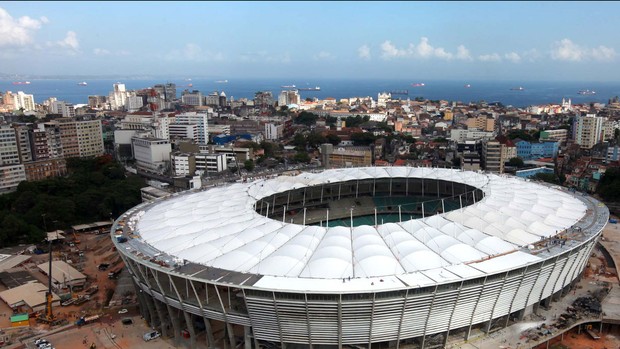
x: 532, y: 41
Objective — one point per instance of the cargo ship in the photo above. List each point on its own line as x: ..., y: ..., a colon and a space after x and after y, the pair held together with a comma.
x: 586, y: 92
x: 83, y: 83
x: 517, y: 89
x: 316, y: 88
x: 288, y: 86
x: 21, y: 82
x: 419, y: 84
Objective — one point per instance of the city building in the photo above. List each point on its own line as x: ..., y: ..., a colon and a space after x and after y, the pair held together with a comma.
x: 79, y: 138
x: 210, y: 163
x: 273, y: 131
x: 10, y: 177
x: 588, y: 130
x: 461, y: 135
x: 536, y: 150
x: 63, y: 275
x: 199, y: 119
x: 183, y: 164
x: 183, y: 131
x: 287, y: 97
x: 492, y: 156
x: 193, y: 98
x: 560, y: 135
x: 152, y: 155
x: 335, y: 157
x: 481, y: 122
x: 44, y: 169
x: 445, y: 268
x: 168, y: 91
x: 9, y: 151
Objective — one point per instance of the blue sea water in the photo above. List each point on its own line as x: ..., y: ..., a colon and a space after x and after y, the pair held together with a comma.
x: 533, y: 93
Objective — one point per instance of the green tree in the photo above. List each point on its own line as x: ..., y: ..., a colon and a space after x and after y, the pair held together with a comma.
x: 333, y: 139
x: 516, y: 162
x: 248, y: 165
x: 363, y: 138
x: 306, y: 118
x: 302, y: 157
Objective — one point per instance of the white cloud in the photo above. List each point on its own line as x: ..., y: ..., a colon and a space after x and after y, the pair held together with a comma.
x: 513, y: 57
x: 18, y: 32
x: 323, y: 55
x: 566, y: 50
x: 423, y: 50
x: 462, y: 53
x: 70, y: 41
x: 101, y: 52
x: 494, y: 57
x: 266, y: 57
x: 191, y: 52
x: 364, y: 52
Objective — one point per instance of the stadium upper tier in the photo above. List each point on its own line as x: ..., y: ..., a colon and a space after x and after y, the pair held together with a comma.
x: 498, y: 226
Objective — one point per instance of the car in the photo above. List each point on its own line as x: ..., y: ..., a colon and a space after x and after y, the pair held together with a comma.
x: 40, y: 341
x: 151, y: 335
x: 122, y: 311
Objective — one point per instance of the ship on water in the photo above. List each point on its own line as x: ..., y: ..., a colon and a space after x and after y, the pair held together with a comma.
x: 467, y: 85
x: 221, y: 81
x: 418, y: 84
x: 520, y: 88
x: 21, y: 82
x: 316, y: 88
x: 83, y: 83
x: 288, y: 86
x: 586, y: 92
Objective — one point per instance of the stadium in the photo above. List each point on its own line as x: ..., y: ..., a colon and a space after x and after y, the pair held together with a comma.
x: 358, y: 257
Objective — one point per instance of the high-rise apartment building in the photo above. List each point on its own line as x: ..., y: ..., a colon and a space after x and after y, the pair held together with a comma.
x: 492, y: 156
x: 167, y: 91
x: 588, y: 130
x: 79, y: 138
x: 200, y: 119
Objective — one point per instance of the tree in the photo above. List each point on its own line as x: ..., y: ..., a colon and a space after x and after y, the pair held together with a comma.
x: 306, y: 118
x: 363, y: 138
x: 302, y: 157
x: 248, y: 165
x: 333, y: 139
x: 516, y: 162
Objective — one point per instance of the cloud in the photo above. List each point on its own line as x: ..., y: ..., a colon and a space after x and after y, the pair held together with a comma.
x: 70, y: 41
x: 18, y: 32
x: 101, y: 52
x: 513, y: 57
x: 566, y: 50
x: 364, y: 52
x: 191, y: 52
x: 423, y: 50
x: 265, y: 57
x: 322, y: 56
x: 462, y: 53
x: 494, y: 57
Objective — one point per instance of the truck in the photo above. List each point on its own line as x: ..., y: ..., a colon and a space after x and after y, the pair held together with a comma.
x: 86, y: 320
x: 121, y: 239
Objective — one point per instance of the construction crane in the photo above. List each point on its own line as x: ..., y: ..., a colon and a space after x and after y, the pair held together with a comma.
x: 48, y: 317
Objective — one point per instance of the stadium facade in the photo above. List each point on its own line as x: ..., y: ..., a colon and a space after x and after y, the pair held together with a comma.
x: 360, y: 257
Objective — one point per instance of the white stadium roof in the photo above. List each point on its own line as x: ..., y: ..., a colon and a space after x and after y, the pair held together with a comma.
x: 219, y: 228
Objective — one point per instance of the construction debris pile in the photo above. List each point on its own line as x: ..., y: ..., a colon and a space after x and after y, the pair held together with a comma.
x: 582, y: 307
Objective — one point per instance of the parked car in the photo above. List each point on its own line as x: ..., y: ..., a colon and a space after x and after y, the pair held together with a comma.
x: 151, y: 335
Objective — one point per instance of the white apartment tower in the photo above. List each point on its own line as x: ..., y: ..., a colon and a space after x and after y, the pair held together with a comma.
x: 588, y: 130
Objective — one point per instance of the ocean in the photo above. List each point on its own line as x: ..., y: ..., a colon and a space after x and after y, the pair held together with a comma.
x: 533, y: 93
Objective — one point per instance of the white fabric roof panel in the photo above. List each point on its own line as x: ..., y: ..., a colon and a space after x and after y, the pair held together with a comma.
x: 218, y: 227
